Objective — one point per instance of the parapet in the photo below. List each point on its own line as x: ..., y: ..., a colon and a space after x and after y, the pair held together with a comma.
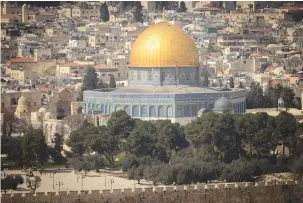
x: 91, y: 196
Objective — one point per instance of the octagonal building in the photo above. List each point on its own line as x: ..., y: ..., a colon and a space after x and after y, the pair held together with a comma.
x: 164, y: 81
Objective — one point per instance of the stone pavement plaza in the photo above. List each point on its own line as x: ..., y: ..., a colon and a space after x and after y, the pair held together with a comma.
x: 70, y: 181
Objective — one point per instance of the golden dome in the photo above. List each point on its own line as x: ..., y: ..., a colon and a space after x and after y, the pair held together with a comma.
x: 164, y: 45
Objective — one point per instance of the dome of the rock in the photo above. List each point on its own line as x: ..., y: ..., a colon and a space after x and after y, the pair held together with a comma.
x: 164, y: 45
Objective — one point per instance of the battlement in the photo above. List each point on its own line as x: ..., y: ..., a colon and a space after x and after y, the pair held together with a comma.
x: 242, y: 191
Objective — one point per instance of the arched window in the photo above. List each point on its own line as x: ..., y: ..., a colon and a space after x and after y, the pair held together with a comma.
x: 90, y: 111
x: 79, y: 110
x: 194, y: 109
x: 161, y: 111
x: 138, y: 75
x: 186, y: 111
x: 105, y: 109
x: 110, y: 109
x: 152, y: 111
x: 170, y: 111
x: 136, y: 111
x: 14, y: 101
x: 102, y: 108
x: 179, y: 110
x: 144, y: 111
x: 60, y: 113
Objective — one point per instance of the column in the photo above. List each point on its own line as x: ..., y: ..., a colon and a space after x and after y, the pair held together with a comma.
x: 244, y: 106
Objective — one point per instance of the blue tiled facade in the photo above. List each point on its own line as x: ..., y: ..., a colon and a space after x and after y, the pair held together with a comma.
x: 189, y: 76
x: 157, y: 105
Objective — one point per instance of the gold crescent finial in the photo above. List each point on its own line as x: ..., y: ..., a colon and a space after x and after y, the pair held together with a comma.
x: 163, y: 14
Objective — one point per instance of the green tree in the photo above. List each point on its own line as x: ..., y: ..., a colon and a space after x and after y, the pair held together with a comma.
x: 231, y: 82
x: 241, y: 86
x: 120, y: 124
x: 225, y: 138
x: 257, y: 132
x: 104, y: 13
x: 104, y: 143
x: 12, y: 148
x: 11, y: 182
x: 238, y: 171
x: 58, y: 141
x: 199, y: 131
x: 34, y: 148
x: 90, y: 81
x: 112, y: 82
x: 77, y: 143
x: 256, y: 99
x: 142, y: 141
x: 286, y: 127
x: 78, y: 140
x: 33, y: 183
x: 171, y: 136
x: 205, y: 78
x: 182, y: 7
x: 288, y: 96
x: 138, y: 12
x: 297, y: 166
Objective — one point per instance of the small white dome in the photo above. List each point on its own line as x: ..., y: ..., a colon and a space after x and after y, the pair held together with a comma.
x: 48, y: 115
x: 42, y: 110
x: 223, y: 104
x: 26, y: 90
x: 22, y: 101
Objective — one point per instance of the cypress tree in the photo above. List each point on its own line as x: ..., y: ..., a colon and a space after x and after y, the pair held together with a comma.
x: 90, y: 81
x: 138, y: 12
x: 231, y: 82
x: 205, y: 76
x: 104, y: 13
x: 182, y: 7
x: 112, y: 82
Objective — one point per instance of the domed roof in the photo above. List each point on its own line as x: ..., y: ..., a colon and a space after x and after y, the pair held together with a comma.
x: 164, y: 45
x: 22, y: 101
x: 42, y: 110
x: 223, y: 104
x: 48, y: 115
x: 26, y: 90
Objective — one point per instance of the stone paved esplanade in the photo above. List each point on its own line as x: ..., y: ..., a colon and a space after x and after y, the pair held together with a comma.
x: 164, y: 81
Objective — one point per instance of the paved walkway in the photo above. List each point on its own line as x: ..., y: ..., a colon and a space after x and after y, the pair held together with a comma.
x: 70, y: 181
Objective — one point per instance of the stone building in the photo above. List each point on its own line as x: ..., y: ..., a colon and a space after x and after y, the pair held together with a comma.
x: 10, y: 100
x: 164, y: 81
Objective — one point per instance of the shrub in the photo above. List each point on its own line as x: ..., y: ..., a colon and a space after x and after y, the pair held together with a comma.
x: 238, y: 170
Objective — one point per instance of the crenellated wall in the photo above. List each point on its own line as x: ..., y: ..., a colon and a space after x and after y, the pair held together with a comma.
x: 215, y: 193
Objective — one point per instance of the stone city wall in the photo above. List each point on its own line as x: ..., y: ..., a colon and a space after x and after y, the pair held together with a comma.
x: 286, y: 192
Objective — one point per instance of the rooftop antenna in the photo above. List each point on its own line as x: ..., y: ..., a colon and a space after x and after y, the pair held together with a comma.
x: 163, y: 14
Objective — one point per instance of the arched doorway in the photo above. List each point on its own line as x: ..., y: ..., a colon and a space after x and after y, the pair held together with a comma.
x: 79, y: 110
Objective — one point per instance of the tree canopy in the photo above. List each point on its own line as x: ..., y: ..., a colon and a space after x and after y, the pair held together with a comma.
x: 90, y: 81
x: 138, y: 12
x: 104, y: 13
x: 112, y: 82
x: 182, y: 7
